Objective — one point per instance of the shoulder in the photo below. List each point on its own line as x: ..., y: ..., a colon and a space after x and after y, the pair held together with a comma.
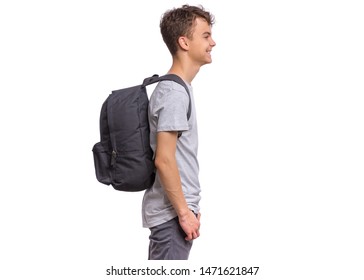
x: 169, y: 90
x: 170, y: 86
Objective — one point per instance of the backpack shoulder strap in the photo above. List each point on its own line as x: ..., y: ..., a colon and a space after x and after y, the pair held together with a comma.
x: 170, y: 77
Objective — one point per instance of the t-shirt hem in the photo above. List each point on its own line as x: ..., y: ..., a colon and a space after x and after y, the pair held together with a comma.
x: 170, y: 128
x: 159, y: 222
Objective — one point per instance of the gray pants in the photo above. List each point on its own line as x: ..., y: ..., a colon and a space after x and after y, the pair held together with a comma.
x: 167, y: 242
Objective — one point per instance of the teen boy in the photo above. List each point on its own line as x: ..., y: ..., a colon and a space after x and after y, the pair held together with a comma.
x: 171, y: 206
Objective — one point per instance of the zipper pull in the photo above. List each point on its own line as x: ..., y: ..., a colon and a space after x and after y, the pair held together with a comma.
x: 113, y: 158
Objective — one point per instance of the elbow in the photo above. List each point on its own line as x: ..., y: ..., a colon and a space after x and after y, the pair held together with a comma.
x: 163, y: 162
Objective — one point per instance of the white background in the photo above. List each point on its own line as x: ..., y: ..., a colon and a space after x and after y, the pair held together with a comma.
x: 280, y: 114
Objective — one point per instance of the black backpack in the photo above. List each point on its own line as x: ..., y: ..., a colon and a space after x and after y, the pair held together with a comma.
x: 123, y: 158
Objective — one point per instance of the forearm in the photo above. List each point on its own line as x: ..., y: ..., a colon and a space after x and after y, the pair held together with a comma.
x: 171, y: 182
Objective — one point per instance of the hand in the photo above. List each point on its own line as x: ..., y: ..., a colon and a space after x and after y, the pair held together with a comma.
x: 190, y: 225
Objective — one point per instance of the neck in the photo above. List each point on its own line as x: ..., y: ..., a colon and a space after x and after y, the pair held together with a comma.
x: 184, y: 69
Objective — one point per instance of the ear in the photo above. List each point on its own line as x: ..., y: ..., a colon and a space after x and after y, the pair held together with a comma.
x: 183, y: 43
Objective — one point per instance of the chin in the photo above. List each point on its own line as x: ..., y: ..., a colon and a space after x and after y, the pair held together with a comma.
x: 207, y: 61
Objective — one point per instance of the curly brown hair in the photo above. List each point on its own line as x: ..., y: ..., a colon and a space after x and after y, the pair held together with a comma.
x: 180, y: 22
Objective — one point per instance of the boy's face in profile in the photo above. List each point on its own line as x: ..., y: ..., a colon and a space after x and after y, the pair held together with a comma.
x: 201, y: 44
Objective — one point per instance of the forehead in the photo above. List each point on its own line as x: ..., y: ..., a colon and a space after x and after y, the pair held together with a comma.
x: 201, y: 26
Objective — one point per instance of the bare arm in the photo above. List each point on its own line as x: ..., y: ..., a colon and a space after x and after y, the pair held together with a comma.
x: 166, y: 165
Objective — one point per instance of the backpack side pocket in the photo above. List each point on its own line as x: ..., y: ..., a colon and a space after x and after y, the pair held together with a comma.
x: 102, y: 160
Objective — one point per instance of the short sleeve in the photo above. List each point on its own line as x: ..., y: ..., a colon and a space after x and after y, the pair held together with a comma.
x: 171, y: 108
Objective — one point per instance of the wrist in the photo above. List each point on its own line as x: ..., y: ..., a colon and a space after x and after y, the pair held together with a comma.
x: 183, y: 213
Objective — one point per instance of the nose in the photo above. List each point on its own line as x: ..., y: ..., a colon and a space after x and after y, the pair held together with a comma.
x: 212, y: 43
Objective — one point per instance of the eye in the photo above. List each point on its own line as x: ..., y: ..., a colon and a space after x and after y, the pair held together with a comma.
x: 206, y: 35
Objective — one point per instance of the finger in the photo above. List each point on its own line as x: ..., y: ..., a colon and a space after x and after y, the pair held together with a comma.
x: 189, y: 237
x: 196, y: 234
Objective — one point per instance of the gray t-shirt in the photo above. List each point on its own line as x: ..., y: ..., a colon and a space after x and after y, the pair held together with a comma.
x: 168, y: 108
